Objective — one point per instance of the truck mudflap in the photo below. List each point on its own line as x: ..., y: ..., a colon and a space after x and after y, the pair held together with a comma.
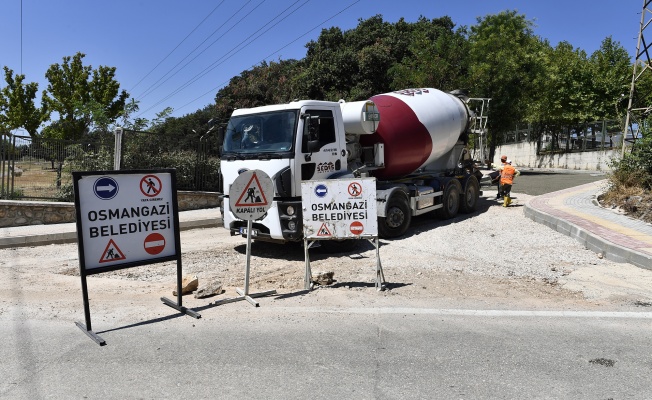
x: 383, y: 196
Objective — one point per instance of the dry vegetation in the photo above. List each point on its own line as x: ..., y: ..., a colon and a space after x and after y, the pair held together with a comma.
x: 628, y: 194
x: 37, y: 180
x: 635, y: 202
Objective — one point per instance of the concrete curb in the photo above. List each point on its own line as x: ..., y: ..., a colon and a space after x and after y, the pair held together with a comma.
x: 590, y: 241
x: 68, y: 233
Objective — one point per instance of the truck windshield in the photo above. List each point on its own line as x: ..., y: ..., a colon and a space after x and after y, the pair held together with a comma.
x: 261, y: 133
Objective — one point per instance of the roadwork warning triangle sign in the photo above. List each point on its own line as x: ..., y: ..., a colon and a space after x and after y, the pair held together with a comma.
x: 324, y: 231
x: 112, y: 253
x: 252, y: 195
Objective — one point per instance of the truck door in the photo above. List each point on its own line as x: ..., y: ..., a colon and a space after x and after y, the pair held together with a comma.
x: 322, y: 145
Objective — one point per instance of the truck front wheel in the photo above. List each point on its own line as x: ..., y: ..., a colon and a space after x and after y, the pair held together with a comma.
x: 397, y: 217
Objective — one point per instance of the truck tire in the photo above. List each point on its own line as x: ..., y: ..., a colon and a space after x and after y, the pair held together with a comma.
x: 397, y: 217
x: 450, y: 200
x: 470, y: 194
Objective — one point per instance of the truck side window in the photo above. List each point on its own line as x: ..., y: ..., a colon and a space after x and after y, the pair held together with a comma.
x: 326, y: 132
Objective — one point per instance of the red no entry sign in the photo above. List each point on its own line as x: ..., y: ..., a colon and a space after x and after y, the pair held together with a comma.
x: 356, y: 228
x: 154, y: 243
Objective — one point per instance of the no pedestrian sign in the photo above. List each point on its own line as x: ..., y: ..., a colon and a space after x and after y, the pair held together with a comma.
x: 125, y: 217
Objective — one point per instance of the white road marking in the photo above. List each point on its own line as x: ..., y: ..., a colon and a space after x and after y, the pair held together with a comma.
x: 476, y: 313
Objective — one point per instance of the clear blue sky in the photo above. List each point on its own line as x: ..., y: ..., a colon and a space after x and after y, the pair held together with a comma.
x: 208, y: 42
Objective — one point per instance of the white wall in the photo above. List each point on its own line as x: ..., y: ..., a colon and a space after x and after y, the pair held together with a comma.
x: 524, y: 154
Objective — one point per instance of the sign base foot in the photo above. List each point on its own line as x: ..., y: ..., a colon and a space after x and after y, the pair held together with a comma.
x: 181, y: 309
x: 94, y: 336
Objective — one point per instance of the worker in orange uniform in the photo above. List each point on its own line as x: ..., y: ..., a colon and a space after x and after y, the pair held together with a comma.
x: 507, y: 175
x: 495, y: 176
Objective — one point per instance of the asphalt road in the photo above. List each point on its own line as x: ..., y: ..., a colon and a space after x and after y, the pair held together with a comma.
x: 361, y: 353
x: 278, y: 351
x: 538, y: 182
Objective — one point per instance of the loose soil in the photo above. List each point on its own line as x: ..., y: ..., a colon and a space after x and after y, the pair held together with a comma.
x: 493, y: 259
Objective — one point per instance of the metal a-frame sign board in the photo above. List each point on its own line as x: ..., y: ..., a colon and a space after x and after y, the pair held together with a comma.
x: 126, y: 219
x: 250, y: 197
x: 340, y: 209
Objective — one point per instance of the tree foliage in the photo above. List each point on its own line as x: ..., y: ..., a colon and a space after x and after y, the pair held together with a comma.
x: 563, y: 88
x: 610, y: 70
x: 267, y: 83
x: 498, y: 57
x: 17, y: 107
x: 436, y: 55
x: 502, y: 64
x: 83, y: 97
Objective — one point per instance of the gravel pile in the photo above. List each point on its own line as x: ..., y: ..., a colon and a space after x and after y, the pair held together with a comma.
x: 496, y: 241
x: 464, y: 256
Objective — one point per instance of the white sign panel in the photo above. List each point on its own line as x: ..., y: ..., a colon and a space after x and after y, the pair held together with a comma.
x: 339, y: 208
x: 126, y: 218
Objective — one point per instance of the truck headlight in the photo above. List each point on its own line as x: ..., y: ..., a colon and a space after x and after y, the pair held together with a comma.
x: 290, y: 211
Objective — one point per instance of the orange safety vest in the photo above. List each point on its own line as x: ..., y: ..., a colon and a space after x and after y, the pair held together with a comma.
x: 507, y: 175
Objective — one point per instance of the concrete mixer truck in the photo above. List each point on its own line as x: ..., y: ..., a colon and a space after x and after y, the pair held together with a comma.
x: 412, y: 141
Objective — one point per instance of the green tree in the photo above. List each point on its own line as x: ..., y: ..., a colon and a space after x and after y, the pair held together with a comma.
x: 83, y: 97
x: 503, y: 63
x: 266, y: 83
x: 352, y: 65
x: 564, y: 90
x: 135, y: 124
x: 436, y: 56
x: 17, y: 107
x: 611, y: 69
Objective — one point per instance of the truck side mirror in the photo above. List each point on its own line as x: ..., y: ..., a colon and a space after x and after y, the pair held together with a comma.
x: 220, y: 139
x: 310, y: 133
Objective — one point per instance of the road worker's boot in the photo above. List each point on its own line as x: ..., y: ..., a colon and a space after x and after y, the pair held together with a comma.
x: 507, y: 201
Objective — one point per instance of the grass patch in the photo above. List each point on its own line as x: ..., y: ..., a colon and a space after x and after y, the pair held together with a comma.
x: 38, y: 180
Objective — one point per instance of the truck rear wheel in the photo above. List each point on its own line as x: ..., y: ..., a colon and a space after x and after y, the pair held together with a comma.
x: 450, y: 200
x: 397, y: 218
x: 469, y: 199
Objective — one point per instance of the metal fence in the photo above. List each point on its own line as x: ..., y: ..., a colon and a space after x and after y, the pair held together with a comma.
x: 589, y: 136
x: 41, y: 169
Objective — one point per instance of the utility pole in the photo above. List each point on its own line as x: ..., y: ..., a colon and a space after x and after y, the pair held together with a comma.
x: 643, y: 62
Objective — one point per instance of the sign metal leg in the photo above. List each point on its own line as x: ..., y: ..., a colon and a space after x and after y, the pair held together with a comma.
x: 87, y: 328
x: 247, y: 267
x: 307, y: 280
x: 244, y: 294
x: 380, y: 276
x: 179, y: 305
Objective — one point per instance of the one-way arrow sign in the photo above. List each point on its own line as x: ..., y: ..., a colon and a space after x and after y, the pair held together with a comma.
x: 105, y: 188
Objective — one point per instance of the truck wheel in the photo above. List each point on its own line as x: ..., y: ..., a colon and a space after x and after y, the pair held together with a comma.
x: 450, y: 200
x: 469, y: 199
x: 397, y: 218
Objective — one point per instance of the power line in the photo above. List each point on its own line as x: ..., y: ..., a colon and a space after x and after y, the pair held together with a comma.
x: 156, y: 84
x: 175, y: 48
x: 232, y: 52
x: 277, y: 51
